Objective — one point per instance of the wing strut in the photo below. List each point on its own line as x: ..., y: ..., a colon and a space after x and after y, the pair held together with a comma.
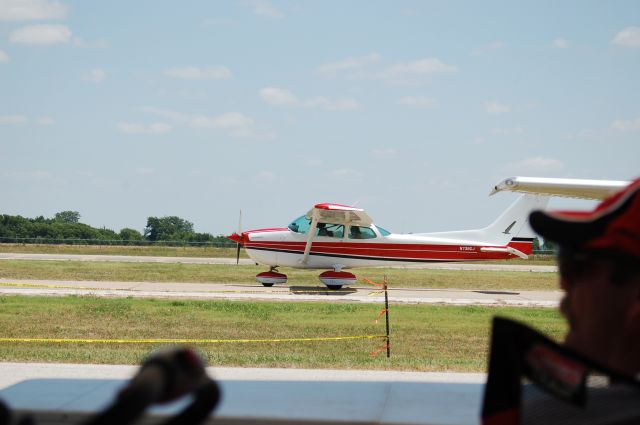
x: 312, y: 232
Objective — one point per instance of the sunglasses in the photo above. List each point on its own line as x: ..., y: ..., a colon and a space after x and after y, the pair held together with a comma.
x: 577, y: 265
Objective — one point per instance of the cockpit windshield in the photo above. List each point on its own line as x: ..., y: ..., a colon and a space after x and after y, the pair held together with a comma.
x: 383, y: 232
x: 300, y: 225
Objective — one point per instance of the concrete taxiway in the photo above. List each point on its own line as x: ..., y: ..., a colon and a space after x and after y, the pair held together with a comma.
x: 282, y: 293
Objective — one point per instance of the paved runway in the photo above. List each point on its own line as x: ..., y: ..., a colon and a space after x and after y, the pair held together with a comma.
x: 282, y: 293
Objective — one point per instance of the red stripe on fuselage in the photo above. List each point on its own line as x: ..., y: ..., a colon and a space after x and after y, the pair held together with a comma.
x: 383, y: 250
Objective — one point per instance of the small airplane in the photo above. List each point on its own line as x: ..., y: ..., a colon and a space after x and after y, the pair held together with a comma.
x: 337, y: 237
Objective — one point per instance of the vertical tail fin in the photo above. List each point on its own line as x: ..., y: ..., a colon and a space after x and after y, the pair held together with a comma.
x: 512, y: 227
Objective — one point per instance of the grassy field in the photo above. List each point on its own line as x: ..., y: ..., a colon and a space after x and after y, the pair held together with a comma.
x: 423, y: 338
x: 156, y: 272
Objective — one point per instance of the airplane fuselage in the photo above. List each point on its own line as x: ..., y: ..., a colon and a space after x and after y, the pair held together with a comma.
x: 283, y: 247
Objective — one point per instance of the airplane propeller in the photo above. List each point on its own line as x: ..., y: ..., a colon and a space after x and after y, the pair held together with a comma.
x: 239, y: 243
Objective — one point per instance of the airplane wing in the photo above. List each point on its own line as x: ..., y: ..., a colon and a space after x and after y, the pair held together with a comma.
x: 571, y: 188
x: 336, y: 214
x: 339, y: 214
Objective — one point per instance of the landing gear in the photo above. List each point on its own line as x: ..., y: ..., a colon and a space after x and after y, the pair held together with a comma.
x: 336, y: 279
x: 271, y: 277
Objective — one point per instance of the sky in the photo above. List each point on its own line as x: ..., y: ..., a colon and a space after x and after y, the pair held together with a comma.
x: 412, y: 110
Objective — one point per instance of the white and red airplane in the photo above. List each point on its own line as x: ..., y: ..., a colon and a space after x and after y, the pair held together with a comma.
x: 337, y: 237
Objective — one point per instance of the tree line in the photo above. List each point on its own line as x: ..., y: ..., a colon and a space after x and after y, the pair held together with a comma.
x: 65, y: 227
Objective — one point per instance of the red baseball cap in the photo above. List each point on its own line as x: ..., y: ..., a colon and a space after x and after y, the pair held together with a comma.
x: 614, y: 225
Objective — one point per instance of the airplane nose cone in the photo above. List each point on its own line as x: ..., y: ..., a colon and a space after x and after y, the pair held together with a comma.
x: 236, y: 238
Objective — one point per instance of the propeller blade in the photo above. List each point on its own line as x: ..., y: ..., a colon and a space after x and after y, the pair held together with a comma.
x: 239, y: 244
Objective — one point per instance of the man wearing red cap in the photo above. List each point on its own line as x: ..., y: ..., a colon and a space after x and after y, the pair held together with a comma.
x: 594, y: 377
x: 599, y: 265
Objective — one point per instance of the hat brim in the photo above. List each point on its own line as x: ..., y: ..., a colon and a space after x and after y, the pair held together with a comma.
x: 571, y: 229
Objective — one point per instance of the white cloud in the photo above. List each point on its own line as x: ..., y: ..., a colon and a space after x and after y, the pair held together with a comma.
x: 418, y: 101
x: 536, y: 164
x: 195, y: 73
x: 230, y: 180
x: 134, y: 128
x: 37, y: 175
x: 626, y: 125
x: 28, y: 10
x: 225, y: 121
x: 235, y: 123
x: 628, y: 37
x: 509, y: 131
x: 276, y: 96
x: 384, y: 153
x: 100, y: 43
x: 265, y: 8
x: 345, y: 174
x: 45, y: 121
x: 333, y: 68
x: 13, y: 119
x: 4, y: 57
x: 313, y: 162
x: 496, y: 108
x: 96, y: 76
x: 561, y: 43
x: 586, y: 134
x: 424, y: 66
x: 489, y: 48
x: 144, y: 171
x: 279, y: 97
x: 168, y: 114
x: 339, y: 104
x: 266, y: 175
x: 41, y: 34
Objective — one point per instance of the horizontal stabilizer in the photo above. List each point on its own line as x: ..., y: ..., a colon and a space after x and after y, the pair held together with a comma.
x: 508, y: 250
x: 571, y: 188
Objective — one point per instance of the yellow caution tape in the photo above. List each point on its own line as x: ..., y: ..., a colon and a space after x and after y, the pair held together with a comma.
x: 187, y: 341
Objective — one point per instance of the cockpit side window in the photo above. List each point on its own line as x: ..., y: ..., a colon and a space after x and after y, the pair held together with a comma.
x: 358, y: 232
x: 331, y: 230
x: 300, y: 225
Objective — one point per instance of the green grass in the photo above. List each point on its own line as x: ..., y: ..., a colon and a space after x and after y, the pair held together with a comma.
x: 157, y: 272
x: 423, y: 338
